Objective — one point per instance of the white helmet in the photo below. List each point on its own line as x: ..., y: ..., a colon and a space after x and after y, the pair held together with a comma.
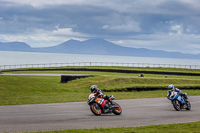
x: 171, y: 86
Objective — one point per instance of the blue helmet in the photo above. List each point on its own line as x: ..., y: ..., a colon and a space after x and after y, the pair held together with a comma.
x: 171, y: 86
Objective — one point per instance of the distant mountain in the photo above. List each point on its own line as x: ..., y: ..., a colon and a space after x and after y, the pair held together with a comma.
x: 95, y: 47
x: 15, y: 46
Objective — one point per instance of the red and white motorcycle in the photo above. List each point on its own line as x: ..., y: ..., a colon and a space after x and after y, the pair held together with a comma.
x: 96, y: 105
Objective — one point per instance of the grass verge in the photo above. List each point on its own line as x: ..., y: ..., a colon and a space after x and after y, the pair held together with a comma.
x: 193, y: 127
x: 123, y: 68
x: 16, y: 90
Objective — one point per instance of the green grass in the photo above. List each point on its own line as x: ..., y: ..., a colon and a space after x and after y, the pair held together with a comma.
x: 193, y: 127
x: 15, y: 90
x: 127, y: 68
x: 103, y: 73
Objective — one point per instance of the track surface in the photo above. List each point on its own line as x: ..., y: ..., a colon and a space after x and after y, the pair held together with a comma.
x: 57, y: 116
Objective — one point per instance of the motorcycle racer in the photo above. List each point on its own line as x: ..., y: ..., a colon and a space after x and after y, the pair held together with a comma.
x: 172, y: 88
x: 97, y: 92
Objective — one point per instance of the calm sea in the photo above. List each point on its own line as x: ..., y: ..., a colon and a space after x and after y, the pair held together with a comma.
x: 13, y: 58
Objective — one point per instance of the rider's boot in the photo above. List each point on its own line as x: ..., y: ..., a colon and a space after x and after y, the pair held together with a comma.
x: 107, y: 111
x: 182, y: 106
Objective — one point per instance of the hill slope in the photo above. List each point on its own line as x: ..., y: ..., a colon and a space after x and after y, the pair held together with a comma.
x: 15, y: 46
x: 95, y: 47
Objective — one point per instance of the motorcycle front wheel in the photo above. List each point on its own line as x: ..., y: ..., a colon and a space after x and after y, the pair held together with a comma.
x: 188, y: 105
x: 176, y: 105
x: 117, y: 110
x: 95, y: 108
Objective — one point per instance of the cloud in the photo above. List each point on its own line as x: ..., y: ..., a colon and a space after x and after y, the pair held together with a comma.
x: 41, y: 37
x: 128, y: 26
x: 177, y: 29
x: 67, y: 32
x: 44, y: 3
x: 162, y: 24
x: 185, y: 43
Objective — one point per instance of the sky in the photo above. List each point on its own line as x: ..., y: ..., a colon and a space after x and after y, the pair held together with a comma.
x: 169, y: 25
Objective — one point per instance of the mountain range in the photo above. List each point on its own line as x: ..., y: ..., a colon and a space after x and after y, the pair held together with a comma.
x: 95, y: 47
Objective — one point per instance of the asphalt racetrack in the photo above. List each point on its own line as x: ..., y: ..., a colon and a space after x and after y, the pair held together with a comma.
x: 77, y: 115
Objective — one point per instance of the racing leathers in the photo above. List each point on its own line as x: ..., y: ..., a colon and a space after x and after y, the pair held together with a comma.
x: 100, y: 94
x: 178, y: 91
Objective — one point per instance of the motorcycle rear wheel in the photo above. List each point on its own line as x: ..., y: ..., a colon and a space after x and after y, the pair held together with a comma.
x: 177, y: 105
x: 96, y: 109
x: 117, y: 110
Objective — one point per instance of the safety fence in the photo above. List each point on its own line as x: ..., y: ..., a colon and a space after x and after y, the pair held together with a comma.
x: 48, y: 65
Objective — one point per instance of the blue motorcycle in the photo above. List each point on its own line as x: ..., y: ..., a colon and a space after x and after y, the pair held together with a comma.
x: 179, y: 102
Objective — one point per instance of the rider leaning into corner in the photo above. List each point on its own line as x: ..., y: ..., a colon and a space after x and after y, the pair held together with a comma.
x: 97, y: 92
x: 172, y: 88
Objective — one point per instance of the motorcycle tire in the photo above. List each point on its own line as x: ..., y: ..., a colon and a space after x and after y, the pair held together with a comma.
x: 95, y: 109
x: 116, y: 110
x: 177, y: 105
x: 188, y: 105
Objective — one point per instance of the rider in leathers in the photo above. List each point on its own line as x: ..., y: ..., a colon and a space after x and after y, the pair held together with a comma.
x: 99, y: 93
x: 172, y: 88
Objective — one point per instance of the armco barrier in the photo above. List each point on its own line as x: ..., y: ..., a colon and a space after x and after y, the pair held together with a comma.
x: 48, y: 65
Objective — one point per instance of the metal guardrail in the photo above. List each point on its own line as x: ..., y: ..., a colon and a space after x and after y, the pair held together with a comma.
x: 47, y: 65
